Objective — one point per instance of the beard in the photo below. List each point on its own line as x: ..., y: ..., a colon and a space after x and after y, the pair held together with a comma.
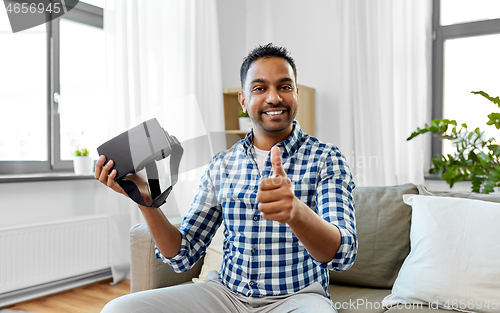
x: 274, y: 124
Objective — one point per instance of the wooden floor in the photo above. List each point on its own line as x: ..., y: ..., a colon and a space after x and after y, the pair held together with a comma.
x: 86, y: 299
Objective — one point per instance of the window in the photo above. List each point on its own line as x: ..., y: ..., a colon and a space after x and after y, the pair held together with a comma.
x: 465, y: 59
x: 23, y: 92
x: 52, y: 81
x: 82, y: 82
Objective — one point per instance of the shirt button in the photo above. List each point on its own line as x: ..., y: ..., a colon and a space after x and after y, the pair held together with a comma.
x: 254, y: 251
x: 256, y: 190
x: 251, y: 283
x: 255, y: 218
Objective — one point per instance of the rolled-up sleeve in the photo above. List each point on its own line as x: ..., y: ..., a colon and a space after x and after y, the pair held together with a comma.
x: 335, y: 204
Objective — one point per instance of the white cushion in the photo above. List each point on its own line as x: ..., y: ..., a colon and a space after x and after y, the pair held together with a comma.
x: 454, y: 261
x: 213, y: 256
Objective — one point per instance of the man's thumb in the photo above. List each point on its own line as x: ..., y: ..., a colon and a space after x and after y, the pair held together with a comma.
x: 277, y: 162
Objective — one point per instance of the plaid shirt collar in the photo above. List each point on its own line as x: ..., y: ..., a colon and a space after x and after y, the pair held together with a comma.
x: 291, y: 144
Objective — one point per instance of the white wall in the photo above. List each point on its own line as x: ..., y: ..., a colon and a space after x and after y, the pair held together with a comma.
x: 33, y: 202
x: 232, y: 28
x: 441, y: 185
x: 46, y: 201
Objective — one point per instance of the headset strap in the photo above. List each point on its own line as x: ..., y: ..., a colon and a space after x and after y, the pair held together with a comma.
x: 159, y: 198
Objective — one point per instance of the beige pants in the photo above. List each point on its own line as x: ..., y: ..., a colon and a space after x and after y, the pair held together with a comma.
x: 213, y: 296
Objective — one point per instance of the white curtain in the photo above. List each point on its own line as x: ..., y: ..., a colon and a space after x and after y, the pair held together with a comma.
x: 163, y: 61
x: 385, y: 65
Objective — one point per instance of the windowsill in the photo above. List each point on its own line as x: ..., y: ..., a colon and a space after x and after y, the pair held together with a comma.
x: 436, y: 177
x: 428, y: 176
x: 39, y: 177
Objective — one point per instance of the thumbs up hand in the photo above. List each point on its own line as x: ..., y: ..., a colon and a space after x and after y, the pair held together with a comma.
x: 276, y: 196
x: 277, y: 162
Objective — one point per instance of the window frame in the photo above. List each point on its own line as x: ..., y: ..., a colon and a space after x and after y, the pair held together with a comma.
x: 440, y: 34
x: 82, y: 13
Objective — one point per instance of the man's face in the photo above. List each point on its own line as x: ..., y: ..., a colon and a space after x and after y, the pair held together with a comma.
x: 270, y: 95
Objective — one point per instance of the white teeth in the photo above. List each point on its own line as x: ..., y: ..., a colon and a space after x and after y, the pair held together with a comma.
x: 274, y: 112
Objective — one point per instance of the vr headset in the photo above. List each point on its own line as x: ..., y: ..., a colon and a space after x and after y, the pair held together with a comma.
x: 139, y: 148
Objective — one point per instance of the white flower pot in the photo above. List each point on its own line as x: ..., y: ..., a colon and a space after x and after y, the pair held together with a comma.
x: 245, y: 123
x: 83, y: 165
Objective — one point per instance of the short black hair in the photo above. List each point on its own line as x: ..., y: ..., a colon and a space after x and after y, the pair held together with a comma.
x: 265, y: 51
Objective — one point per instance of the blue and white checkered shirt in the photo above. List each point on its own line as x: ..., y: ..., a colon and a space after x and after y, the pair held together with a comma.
x: 262, y: 257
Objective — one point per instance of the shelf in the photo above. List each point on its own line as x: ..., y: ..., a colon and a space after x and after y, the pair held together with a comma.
x: 237, y: 132
x: 231, y: 91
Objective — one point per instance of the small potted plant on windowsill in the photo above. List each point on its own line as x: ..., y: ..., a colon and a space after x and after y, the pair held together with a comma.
x: 476, y: 158
x: 244, y: 120
x: 82, y: 163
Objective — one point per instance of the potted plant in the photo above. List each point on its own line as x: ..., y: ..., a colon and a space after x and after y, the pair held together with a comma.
x: 82, y: 163
x: 244, y: 120
x: 476, y: 158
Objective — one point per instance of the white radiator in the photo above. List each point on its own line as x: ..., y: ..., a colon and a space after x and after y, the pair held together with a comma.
x: 44, y: 253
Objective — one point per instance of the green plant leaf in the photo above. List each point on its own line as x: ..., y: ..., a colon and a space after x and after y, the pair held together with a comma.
x: 241, y: 113
x: 418, y: 132
x: 474, y: 158
x: 494, y: 119
x: 495, y: 149
x: 487, y: 96
x: 479, y: 171
x: 81, y: 152
x: 476, y: 183
x: 489, y: 185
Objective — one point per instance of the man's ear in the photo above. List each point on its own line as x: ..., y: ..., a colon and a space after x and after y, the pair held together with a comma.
x: 241, y: 100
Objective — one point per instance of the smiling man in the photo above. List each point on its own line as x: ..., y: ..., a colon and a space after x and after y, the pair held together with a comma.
x: 270, y: 98
x: 284, y: 197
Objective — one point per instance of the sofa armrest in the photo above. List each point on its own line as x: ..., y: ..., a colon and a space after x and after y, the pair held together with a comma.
x: 148, y: 272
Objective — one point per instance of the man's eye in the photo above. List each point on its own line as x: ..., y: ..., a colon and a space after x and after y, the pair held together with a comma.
x: 258, y: 89
x: 286, y: 87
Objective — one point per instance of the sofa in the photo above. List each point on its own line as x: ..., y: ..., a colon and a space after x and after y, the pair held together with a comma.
x: 385, y: 275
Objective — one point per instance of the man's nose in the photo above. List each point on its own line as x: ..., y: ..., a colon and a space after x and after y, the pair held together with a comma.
x: 273, y: 96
